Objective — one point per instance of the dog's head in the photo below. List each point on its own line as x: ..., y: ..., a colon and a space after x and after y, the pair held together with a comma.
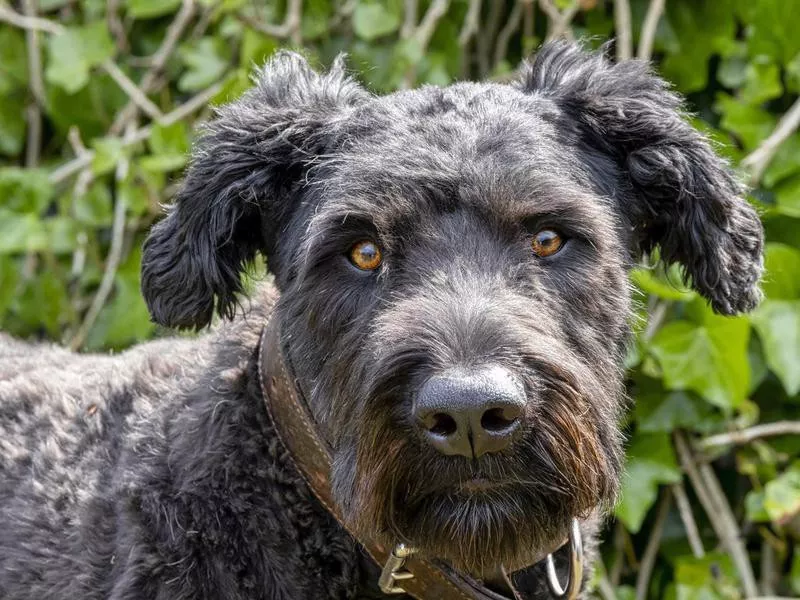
x: 453, y: 274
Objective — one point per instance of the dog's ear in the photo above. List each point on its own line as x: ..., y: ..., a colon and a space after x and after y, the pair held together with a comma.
x: 684, y: 199
x: 238, y: 190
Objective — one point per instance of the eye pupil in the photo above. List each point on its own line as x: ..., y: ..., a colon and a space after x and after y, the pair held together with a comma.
x: 366, y: 255
x: 546, y: 243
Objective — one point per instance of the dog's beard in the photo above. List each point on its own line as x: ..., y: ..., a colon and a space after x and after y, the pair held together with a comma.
x: 480, y: 514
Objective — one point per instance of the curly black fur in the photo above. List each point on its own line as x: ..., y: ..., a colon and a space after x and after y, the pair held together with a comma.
x: 157, y: 474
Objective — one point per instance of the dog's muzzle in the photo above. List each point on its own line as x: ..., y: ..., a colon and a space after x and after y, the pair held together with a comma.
x: 404, y: 572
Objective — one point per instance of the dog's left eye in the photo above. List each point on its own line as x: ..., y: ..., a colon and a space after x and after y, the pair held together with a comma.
x: 546, y: 243
x: 366, y: 255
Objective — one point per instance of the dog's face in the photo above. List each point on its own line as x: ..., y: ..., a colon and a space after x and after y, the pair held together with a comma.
x: 453, y: 274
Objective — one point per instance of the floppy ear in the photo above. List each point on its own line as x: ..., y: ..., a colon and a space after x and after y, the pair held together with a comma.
x: 684, y: 198
x: 246, y: 167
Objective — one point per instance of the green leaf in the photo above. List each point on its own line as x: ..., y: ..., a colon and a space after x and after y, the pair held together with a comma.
x: 95, y: 206
x: 709, y: 358
x: 206, y: 61
x: 778, y: 325
x: 125, y: 319
x: 14, y: 70
x: 782, y: 277
x: 702, y: 29
x: 770, y: 28
x: 787, y: 196
x: 9, y: 278
x: 762, y: 81
x: 650, y: 282
x: 25, y: 190
x: 782, y: 495
x: 12, y: 125
x: 43, y: 303
x: 750, y: 124
x: 21, y: 233
x: 754, y: 507
x: 712, y: 577
x: 74, y: 52
x: 372, y: 20
x: 672, y: 410
x: 148, y: 9
x: 108, y: 152
x: 651, y: 462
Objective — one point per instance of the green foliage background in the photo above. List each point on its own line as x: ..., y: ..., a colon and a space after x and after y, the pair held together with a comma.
x: 82, y: 177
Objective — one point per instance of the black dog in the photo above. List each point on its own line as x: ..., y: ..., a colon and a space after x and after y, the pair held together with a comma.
x: 454, y: 302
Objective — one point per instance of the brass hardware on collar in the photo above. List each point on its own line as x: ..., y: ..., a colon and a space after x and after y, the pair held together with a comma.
x: 393, y: 570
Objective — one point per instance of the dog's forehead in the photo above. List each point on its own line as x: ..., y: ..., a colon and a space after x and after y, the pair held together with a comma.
x: 436, y: 149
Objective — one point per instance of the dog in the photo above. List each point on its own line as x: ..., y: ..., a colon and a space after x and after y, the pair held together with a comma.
x: 450, y: 285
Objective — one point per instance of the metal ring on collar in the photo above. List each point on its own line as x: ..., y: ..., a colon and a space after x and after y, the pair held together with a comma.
x: 575, y: 572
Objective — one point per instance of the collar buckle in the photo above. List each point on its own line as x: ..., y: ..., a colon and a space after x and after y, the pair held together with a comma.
x: 393, y: 570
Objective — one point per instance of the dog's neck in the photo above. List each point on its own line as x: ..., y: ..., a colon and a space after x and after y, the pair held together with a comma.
x: 312, y: 456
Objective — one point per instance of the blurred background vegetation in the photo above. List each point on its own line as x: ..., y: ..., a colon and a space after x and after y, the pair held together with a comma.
x: 100, y: 99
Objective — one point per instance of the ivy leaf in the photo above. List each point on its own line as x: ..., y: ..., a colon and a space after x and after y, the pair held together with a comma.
x: 205, y: 61
x: 74, y: 52
x: 651, y: 462
x: 709, y: 358
x: 787, y: 196
x: 14, y: 70
x: 762, y: 81
x: 754, y: 507
x: 712, y: 577
x: 372, y: 20
x: 650, y: 283
x: 782, y: 265
x: 95, y: 206
x: 21, y: 233
x: 107, y: 154
x: 782, y: 495
x: 778, y: 325
x: 25, y: 190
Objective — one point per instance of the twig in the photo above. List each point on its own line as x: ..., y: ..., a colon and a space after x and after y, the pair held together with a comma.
x: 113, y: 258
x: 718, y: 510
x: 649, y: 27
x: 134, y: 93
x: 157, y: 64
x: 651, y: 551
x: 619, y: 555
x: 11, y: 17
x: 687, y: 516
x: 286, y: 30
x: 559, y: 21
x: 758, y: 160
x: 411, y: 9
x: 767, y: 568
x: 655, y: 320
x: 427, y: 26
x: 115, y: 25
x: 81, y: 162
x: 622, y: 25
x: 511, y: 26
x: 470, y: 26
x: 746, y: 436
x: 487, y: 34
x: 33, y: 146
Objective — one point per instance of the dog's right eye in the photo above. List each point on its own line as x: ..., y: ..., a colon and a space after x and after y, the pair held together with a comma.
x: 366, y: 255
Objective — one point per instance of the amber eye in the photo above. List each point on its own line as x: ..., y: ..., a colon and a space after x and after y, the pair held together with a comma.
x: 366, y: 255
x: 546, y: 243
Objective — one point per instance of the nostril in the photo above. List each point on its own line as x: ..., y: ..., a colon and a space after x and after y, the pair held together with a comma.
x: 442, y: 424
x: 499, y: 419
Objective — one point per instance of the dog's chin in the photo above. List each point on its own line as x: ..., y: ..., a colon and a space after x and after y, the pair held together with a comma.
x: 479, y: 528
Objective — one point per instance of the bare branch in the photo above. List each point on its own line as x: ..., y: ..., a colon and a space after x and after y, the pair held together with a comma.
x: 134, y: 93
x: 427, y: 26
x: 758, y: 160
x: 687, y: 516
x: 511, y: 26
x: 79, y: 163
x: 33, y: 112
x: 115, y: 25
x: 7, y: 15
x: 622, y: 25
x: 745, y: 436
x: 471, y: 21
x: 409, y: 19
x: 158, y: 61
x: 559, y: 21
x: 288, y: 29
x: 718, y: 511
x: 649, y: 27
x: 651, y: 551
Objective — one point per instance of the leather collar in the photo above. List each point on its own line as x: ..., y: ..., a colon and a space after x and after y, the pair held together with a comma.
x: 403, y: 570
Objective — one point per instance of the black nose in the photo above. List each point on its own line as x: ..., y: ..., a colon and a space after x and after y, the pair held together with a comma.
x: 470, y: 413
